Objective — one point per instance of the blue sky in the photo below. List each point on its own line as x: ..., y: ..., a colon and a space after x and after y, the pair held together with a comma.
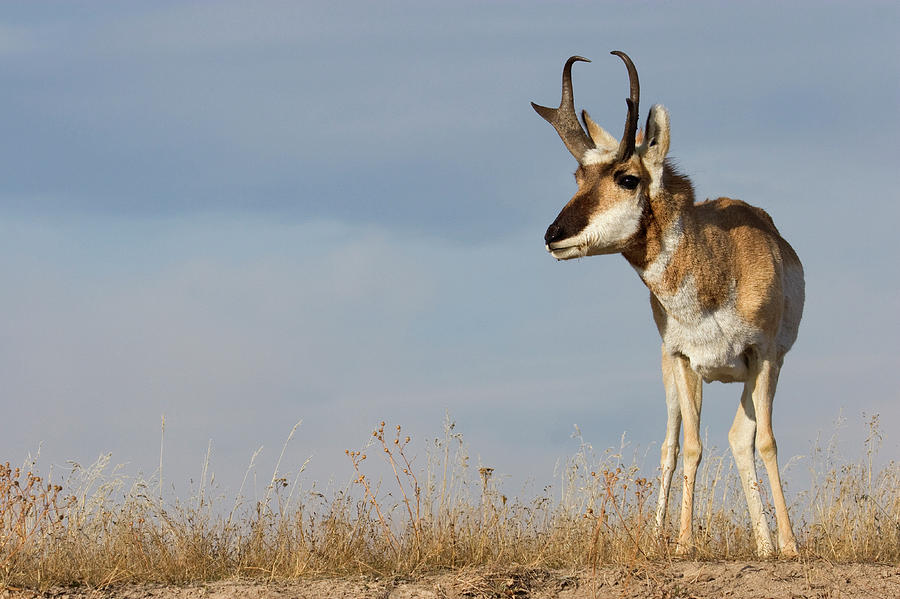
x: 244, y: 214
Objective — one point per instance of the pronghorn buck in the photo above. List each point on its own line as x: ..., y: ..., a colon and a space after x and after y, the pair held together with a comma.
x: 726, y: 290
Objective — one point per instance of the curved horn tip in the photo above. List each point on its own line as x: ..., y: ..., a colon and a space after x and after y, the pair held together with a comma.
x: 578, y: 58
x: 545, y: 112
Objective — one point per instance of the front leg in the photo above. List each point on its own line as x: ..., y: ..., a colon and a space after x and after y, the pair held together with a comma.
x: 766, y: 373
x: 669, y: 450
x: 690, y: 400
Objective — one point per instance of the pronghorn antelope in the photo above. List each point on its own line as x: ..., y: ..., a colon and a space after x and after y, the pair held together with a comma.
x: 726, y: 290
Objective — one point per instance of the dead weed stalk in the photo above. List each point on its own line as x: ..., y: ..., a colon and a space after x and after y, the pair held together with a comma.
x: 99, y: 527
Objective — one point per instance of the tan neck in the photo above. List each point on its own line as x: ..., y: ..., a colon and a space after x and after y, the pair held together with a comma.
x: 664, y: 215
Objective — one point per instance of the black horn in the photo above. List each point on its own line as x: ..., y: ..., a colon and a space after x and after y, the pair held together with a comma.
x: 564, y: 119
x: 626, y: 146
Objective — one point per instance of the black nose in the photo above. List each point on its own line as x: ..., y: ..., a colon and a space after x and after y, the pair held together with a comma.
x: 554, y: 233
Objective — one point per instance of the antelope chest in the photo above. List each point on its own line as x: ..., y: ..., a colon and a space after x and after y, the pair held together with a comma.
x: 715, y: 341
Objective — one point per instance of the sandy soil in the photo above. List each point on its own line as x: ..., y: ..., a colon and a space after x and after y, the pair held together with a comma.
x: 684, y: 580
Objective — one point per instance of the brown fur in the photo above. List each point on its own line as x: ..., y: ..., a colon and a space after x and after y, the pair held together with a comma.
x: 727, y: 243
x: 658, y: 216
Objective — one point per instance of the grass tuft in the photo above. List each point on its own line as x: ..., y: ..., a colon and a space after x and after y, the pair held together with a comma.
x: 99, y: 528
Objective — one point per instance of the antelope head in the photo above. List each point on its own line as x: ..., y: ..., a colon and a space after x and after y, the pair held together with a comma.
x: 615, y: 178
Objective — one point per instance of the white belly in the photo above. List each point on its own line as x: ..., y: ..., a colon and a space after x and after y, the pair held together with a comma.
x: 714, y: 341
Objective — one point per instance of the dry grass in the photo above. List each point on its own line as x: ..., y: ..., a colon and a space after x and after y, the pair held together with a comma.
x: 100, y: 528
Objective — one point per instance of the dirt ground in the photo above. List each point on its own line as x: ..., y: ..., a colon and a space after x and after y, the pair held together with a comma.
x: 684, y: 580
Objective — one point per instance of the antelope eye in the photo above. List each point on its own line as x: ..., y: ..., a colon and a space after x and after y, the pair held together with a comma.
x: 628, y: 181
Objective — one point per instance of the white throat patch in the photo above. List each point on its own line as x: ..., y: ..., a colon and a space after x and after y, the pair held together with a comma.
x: 671, y: 238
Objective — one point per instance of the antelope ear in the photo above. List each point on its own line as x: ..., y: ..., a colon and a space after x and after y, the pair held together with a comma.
x: 601, y: 139
x: 655, y: 145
